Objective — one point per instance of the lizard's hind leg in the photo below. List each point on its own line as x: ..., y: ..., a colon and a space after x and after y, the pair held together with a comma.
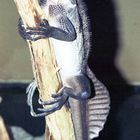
x: 58, y: 101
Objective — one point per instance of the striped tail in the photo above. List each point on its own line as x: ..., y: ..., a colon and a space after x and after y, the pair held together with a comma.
x: 98, y: 107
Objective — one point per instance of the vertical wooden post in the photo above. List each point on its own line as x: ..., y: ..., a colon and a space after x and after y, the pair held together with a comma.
x: 45, y: 71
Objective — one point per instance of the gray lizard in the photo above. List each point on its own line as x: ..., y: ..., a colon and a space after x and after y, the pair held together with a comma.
x: 68, y: 30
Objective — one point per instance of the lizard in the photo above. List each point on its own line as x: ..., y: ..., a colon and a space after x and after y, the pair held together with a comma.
x: 69, y: 30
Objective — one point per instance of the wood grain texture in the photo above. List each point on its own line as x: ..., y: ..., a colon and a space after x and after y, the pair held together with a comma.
x: 59, y: 124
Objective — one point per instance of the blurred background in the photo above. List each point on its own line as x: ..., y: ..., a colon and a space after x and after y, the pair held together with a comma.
x: 114, y: 58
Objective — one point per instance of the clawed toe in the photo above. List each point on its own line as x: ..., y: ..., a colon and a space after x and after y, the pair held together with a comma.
x: 56, y: 95
x: 49, y: 102
x: 30, y: 92
x: 55, y: 105
x: 33, y: 33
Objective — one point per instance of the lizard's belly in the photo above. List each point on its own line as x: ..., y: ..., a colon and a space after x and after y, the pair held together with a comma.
x: 69, y: 56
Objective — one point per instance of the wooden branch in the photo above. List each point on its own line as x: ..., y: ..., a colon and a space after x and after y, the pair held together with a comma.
x: 45, y: 72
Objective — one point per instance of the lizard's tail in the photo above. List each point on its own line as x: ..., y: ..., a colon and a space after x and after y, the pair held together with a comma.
x: 79, y: 117
x: 89, y: 116
x: 98, y: 107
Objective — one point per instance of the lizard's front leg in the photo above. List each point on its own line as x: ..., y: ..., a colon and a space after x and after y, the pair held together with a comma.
x: 76, y: 87
x: 44, y: 30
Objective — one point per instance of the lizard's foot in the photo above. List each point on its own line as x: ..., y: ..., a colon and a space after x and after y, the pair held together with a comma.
x: 80, y: 91
x: 58, y: 101
x: 30, y: 92
x: 33, y: 34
